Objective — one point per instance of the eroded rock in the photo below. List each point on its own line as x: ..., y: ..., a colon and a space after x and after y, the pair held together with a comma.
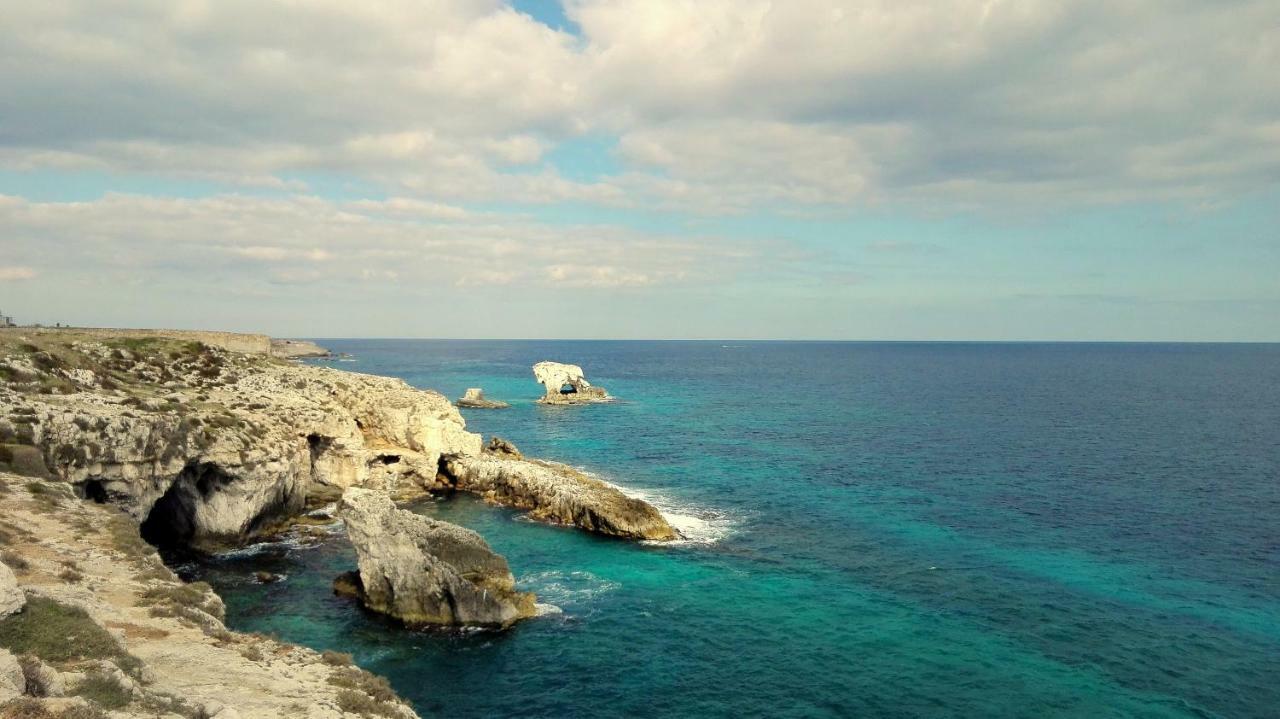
x: 205, y: 447
x: 557, y: 493
x: 565, y: 384
x: 424, y: 571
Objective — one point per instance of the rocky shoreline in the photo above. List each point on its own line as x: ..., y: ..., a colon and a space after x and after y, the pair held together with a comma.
x: 183, y: 444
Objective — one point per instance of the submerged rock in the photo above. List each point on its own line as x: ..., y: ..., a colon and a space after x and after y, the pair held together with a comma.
x: 557, y: 493
x: 565, y: 384
x: 424, y: 571
x: 474, y: 398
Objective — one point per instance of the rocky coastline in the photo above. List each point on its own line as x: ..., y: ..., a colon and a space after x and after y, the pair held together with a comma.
x: 164, y: 441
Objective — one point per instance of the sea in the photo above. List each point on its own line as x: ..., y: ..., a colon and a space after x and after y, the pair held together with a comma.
x: 871, y: 529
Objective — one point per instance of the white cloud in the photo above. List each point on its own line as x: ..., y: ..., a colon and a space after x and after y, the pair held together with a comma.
x: 14, y: 274
x: 719, y: 104
x: 245, y: 241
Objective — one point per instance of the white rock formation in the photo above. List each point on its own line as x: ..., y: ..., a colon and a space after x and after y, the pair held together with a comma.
x: 423, y: 571
x: 565, y: 384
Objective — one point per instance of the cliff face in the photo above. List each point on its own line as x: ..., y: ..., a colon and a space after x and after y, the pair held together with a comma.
x: 221, y: 443
x: 107, y: 626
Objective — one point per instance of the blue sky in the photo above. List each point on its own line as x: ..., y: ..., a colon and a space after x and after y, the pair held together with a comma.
x: 617, y: 168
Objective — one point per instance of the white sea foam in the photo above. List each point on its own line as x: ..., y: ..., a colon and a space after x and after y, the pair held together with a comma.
x: 697, y: 525
x: 566, y: 589
x: 543, y: 610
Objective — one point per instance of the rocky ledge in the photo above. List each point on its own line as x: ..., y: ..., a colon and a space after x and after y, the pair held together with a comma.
x: 554, y: 492
x: 297, y: 349
x: 423, y: 571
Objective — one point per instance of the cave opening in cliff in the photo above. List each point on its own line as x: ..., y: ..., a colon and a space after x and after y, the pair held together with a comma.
x: 96, y: 491
x: 172, y: 521
x: 568, y: 389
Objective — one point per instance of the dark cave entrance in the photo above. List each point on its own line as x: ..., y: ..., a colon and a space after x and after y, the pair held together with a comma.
x: 171, y: 523
x: 568, y: 389
x: 96, y: 491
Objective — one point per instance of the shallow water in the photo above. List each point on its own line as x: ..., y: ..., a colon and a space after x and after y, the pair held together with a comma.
x: 877, y: 529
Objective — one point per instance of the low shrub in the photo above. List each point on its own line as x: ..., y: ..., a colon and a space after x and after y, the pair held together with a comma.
x: 15, y: 561
x: 354, y: 702
x: 103, y: 690
x: 58, y: 632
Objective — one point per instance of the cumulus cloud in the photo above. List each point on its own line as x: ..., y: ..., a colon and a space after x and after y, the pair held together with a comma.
x: 718, y: 104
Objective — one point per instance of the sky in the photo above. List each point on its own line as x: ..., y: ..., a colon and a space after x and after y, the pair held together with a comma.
x: 748, y: 169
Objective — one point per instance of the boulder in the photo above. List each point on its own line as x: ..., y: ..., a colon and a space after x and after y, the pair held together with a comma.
x: 427, y: 572
x: 11, y: 597
x: 502, y: 448
x: 13, y: 683
x: 565, y: 384
x: 557, y: 493
x: 474, y: 398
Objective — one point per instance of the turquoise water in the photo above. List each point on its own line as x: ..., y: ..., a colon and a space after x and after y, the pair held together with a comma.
x: 878, y: 529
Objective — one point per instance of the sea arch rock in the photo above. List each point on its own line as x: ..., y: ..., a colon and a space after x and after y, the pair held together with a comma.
x: 566, y: 384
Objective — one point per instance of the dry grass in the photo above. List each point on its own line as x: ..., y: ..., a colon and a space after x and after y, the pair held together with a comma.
x: 57, y: 632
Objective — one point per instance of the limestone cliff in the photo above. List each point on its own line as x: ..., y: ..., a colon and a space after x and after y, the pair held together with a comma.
x: 423, y: 571
x: 222, y: 444
x: 106, y: 626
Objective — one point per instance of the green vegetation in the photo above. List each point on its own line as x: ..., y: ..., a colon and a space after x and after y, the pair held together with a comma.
x: 101, y: 689
x: 58, y: 632
x: 24, y: 460
x: 28, y: 708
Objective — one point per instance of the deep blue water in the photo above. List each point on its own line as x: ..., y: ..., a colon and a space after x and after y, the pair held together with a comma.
x: 886, y: 529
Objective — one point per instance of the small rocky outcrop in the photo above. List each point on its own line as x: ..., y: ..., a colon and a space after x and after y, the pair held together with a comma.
x: 556, y: 493
x: 474, y: 398
x: 500, y: 447
x: 424, y: 571
x: 297, y: 349
x: 565, y: 384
